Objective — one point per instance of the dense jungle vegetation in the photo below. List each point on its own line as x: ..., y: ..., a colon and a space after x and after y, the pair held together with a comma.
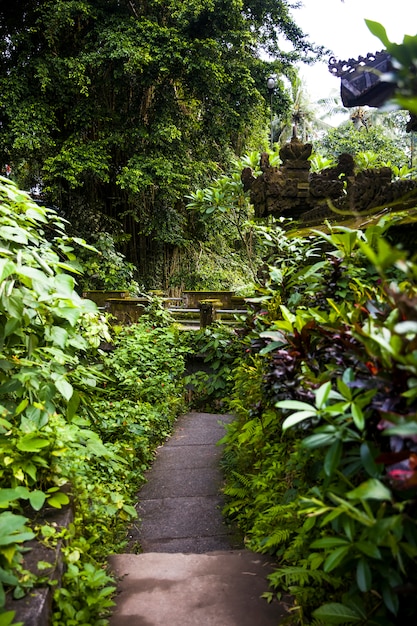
x: 132, y: 122
x: 114, y: 109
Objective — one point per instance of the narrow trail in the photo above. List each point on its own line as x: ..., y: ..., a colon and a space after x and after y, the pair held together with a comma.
x: 193, y: 570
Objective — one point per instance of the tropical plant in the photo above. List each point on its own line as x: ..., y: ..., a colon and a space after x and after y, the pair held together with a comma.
x: 218, y: 348
x: 115, y: 110
x: 346, y: 138
x: 44, y: 333
x: 304, y: 117
x: 104, y: 267
x: 225, y: 207
x: 320, y: 460
x: 70, y: 415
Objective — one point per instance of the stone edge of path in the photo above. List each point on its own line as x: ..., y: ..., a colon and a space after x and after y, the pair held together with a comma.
x: 35, y: 609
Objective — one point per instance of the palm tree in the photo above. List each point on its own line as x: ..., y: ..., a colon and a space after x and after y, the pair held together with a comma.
x: 304, y: 118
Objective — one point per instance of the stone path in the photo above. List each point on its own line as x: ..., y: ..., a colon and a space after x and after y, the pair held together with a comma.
x: 193, y: 570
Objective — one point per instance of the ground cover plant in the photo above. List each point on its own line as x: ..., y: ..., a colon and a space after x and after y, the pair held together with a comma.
x: 132, y: 411
x: 321, y: 461
x: 212, y: 354
x: 75, y: 423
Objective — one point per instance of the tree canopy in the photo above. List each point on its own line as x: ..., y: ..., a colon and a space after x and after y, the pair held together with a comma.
x: 114, y: 109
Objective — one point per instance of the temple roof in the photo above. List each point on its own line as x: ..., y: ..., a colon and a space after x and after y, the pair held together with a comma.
x: 361, y: 82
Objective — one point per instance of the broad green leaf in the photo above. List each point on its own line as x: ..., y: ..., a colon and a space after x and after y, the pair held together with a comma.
x: 130, y: 510
x: 8, y: 577
x: 358, y: 416
x: 73, y: 404
x: 349, y: 527
x: 332, y: 458
x: 322, y: 394
x: 330, y: 542
x: 318, y: 440
x: 7, y: 619
x: 21, y: 406
x: 275, y: 335
x: 271, y: 346
x: 296, y: 418
x: 368, y: 461
x: 35, y: 212
x: 331, y: 516
x: 14, y: 305
x: 344, y: 389
x: 371, y: 489
x: 96, y: 447
x: 8, y: 495
x: 363, y: 575
x: 369, y: 549
x: 13, y: 529
x: 337, y: 613
x: 335, y: 558
x: 35, y: 275
x: 70, y: 313
x: 276, y: 275
x: 309, y: 270
x: 64, y: 284
x: 295, y: 404
x: 58, y: 499
x: 14, y: 233
x: 68, y: 267
x: 57, y: 335
x: 287, y: 315
x: 32, y: 443
x: 37, y: 499
x: 64, y: 387
x: 7, y: 268
x: 391, y: 599
x: 43, y: 565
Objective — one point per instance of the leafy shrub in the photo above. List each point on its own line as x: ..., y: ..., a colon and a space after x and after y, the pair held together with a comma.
x: 69, y: 414
x: 215, y: 348
x: 321, y: 460
x: 135, y: 403
x: 44, y: 338
x: 104, y: 267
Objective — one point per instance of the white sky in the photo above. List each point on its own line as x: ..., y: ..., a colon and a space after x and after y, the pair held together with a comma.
x: 340, y: 26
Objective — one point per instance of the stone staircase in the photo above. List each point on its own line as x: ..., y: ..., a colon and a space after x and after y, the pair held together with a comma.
x: 193, y: 569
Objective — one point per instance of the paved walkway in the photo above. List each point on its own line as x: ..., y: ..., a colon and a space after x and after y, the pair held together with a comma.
x: 193, y: 570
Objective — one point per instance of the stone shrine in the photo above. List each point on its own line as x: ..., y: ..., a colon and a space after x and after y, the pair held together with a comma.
x: 291, y: 190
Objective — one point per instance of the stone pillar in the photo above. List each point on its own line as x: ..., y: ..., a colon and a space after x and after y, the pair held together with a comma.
x: 208, y: 311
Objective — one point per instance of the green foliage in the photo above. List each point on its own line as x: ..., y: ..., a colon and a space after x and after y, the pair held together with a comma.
x: 226, y: 207
x: 227, y: 215
x: 320, y: 460
x: 374, y: 141
x: 132, y: 411
x: 70, y: 414
x: 217, y: 347
x: 43, y: 336
x: 116, y: 110
x: 104, y: 267
x: 84, y: 599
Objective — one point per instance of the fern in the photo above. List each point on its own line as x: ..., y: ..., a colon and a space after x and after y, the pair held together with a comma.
x: 251, y: 430
x: 269, y: 544
x: 300, y: 576
x: 235, y: 491
x: 244, y: 480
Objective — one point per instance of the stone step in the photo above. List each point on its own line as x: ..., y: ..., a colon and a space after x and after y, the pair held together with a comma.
x: 193, y: 570
x: 217, y: 589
